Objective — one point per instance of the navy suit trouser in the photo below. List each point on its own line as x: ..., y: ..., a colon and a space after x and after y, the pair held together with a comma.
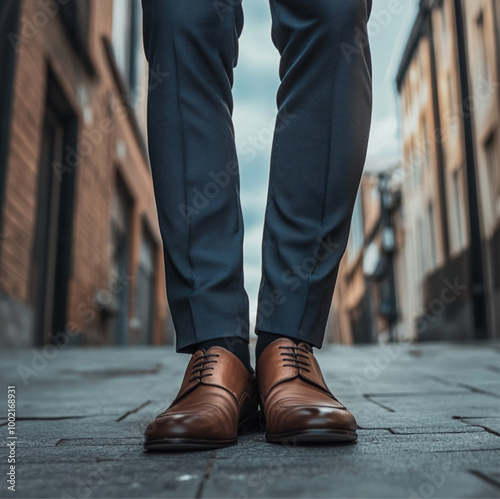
x: 319, y: 148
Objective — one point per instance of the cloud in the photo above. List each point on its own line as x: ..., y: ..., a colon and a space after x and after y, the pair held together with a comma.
x: 384, y: 139
x: 252, y: 265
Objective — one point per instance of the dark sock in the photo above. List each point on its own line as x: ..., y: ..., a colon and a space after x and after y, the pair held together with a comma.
x: 235, y: 345
x: 264, y: 339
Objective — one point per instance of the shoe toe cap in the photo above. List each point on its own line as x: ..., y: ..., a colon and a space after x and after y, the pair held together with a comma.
x: 315, y: 417
x: 187, y: 426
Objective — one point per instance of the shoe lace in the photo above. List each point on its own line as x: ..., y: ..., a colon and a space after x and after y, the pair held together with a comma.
x: 294, y: 358
x: 198, y: 372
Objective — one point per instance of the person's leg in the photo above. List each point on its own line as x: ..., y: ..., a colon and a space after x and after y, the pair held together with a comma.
x: 317, y: 160
x: 192, y: 47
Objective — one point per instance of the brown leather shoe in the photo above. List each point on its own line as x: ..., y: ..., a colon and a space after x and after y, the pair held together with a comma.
x: 297, y: 404
x: 217, y: 400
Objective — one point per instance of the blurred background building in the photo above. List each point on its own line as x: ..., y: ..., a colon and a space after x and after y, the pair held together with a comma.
x: 367, y: 295
x: 80, y: 251
x: 423, y: 261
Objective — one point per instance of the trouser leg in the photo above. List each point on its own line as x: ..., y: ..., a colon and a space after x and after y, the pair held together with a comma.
x: 319, y: 149
x: 192, y: 47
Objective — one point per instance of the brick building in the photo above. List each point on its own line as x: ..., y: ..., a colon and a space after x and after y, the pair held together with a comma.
x: 80, y: 251
x: 446, y: 230
x: 371, y: 277
x: 450, y: 106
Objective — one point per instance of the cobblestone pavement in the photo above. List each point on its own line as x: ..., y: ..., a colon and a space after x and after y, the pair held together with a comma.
x: 429, y: 417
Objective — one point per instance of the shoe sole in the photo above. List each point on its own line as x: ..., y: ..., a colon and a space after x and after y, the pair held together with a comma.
x: 313, y: 436
x: 251, y: 424
x: 183, y: 444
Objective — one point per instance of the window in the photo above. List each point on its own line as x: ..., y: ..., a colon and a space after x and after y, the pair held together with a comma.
x: 444, y: 28
x: 421, y: 248
x: 421, y: 66
x: 76, y: 18
x: 357, y: 228
x: 493, y: 166
x: 127, y: 47
x: 414, y: 257
x: 451, y: 97
x: 409, y: 89
x: 432, y: 234
x: 9, y: 23
x: 410, y: 170
x: 418, y: 166
x: 120, y: 258
x: 146, y: 287
x: 458, y: 219
x: 52, y: 249
x: 451, y: 104
x: 443, y: 19
x: 427, y: 144
x: 484, y: 71
x: 415, y: 165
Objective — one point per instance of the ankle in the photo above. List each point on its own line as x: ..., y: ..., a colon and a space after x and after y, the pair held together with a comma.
x: 264, y: 339
x: 235, y: 345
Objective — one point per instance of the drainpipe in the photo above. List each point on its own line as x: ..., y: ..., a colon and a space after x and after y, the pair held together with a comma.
x: 441, y: 167
x: 9, y: 20
x: 477, y: 280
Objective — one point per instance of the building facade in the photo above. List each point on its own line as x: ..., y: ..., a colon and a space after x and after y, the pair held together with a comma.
x: 482, y: 26
x: 365, y: 303
x: 439, y: 247
x: 448, y: 83
x: 80, y: 252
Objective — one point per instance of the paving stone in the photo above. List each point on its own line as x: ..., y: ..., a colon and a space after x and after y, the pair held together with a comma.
x: 439, y: 430
x: 380, y: 485
x: 75, y: 453
x: 113, y: 478
x: 429, y: 415
x: 360, y: 457
x: 490, y: 474
x: 424, y: 419
x: 490, y: 424
x: 464, y: 405
x: 375, y: 443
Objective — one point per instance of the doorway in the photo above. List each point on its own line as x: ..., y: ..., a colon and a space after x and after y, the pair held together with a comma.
x: 56, y: 187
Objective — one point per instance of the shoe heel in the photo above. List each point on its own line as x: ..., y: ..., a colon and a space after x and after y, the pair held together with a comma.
x: 251, y: 424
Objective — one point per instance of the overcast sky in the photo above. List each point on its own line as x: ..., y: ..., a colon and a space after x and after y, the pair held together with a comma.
x: 256, y: 82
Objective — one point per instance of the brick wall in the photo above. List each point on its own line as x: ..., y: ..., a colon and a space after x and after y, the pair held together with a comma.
x: 109, y: 143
